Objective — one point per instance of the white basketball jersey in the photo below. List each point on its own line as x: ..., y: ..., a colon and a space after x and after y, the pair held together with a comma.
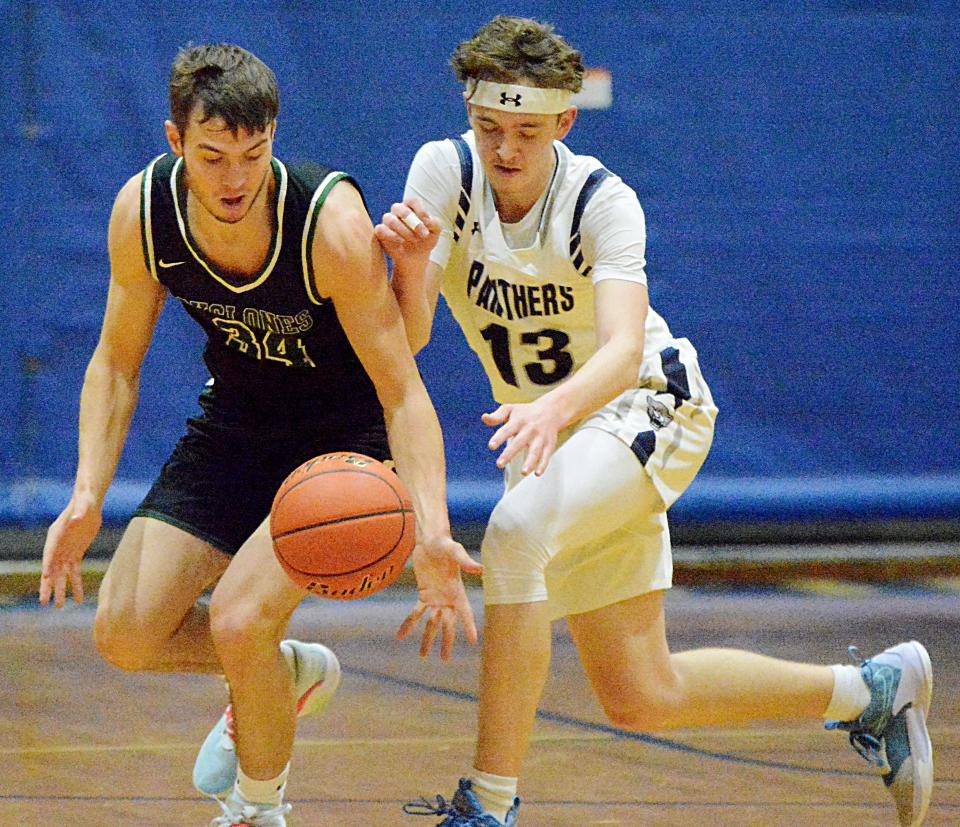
x: 528, y: 313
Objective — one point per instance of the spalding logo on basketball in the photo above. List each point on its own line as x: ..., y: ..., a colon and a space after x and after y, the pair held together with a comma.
x: 342, y: 526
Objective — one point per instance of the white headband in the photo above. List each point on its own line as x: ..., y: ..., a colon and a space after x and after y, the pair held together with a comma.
x: 510, y: 97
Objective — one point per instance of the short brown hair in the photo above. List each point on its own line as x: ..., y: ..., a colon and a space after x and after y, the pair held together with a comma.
x: 510, y: 49
x: 226, y: 82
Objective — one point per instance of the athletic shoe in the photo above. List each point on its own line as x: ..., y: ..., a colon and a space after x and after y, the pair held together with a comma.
x: 316, y: 675
x: 464, y: 811
x: 238, y: 813
x: 891, y: 733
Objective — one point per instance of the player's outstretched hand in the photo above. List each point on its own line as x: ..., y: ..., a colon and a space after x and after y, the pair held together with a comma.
x: 533, y: 427
x: 68, y: 539
x: 408, y: 232
x: 442, y: 597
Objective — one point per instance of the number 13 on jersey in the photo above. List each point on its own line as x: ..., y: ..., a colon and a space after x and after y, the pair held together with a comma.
x: 552, y: 364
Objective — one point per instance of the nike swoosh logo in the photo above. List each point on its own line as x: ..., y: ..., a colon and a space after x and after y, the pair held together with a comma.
x: 166, y: 264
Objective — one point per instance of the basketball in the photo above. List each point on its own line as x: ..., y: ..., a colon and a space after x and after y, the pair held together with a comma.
x: 342, y: 526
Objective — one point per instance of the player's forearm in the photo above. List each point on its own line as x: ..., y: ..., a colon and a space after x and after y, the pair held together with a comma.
x: 612, y: 369
x: 107, y: 403
x: 416, y: 443
x: 416, y: 305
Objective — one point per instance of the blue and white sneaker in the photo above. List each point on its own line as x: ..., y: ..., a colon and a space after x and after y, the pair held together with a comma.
x: 891, y: 733
x: 239, y: 813
x: 316, y: 676
x: 464, y: 811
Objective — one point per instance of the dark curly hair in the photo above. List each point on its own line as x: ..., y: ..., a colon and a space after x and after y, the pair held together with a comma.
x: 226, y: 82
x: 511, y: 49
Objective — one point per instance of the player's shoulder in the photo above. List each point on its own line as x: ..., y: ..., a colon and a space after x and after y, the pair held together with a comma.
x: 594, y: 181
x: 125, y: 216
x: 441, y: 154
x: 580, y: 166
x: 344, y: 229
x: 138, y: 184
x: 307, y: 175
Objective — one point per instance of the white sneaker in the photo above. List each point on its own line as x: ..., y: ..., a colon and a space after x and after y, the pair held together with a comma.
x: 891, y: 733
x: 316, y: 676
x: 239, y: 813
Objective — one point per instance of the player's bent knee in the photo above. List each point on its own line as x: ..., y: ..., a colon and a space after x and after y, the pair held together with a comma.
x: 514, y: 558
x: 240, y: 626
x: 122, y: 643
x: 647, y: 713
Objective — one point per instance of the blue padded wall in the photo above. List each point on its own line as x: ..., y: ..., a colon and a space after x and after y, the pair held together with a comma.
x: 799, y: 165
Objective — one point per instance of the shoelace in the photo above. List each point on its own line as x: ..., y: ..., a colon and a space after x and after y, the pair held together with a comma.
x: 423, y: 807
x: 249, y: 816
x: 855, y: 656
x: 870, y: 748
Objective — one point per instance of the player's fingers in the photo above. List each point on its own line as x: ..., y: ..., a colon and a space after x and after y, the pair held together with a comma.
x: 45, y: 589
x: 465, y: 613
x: 384, y: 233
x: 397, y: 225
x: 532, y: 459
x: 505, y: 433
x: 415, y: 224
x: 417, y: 206
x: 515, y: 445
x: 545, y: 459
x: 497, y: 417
x: 467, y: 563
x: 410, y: 218
x: 76, y: 583
x: 429, y: 633
x: 433, y: 225
x: 60, y: 589
x: 411, y: 621
x: 449, y: 638
x: 414, y: 616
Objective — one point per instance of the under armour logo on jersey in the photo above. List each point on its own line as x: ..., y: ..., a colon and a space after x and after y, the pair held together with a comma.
x: 504, y: 97
x: 476, y: 228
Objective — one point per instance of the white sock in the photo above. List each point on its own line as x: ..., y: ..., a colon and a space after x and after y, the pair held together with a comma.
x: 254, y: 791
x: 495, y: 792
x: 290, y: 657
x: 851, y: 695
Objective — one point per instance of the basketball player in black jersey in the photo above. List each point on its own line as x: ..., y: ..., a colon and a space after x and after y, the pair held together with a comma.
x: 307, y: 354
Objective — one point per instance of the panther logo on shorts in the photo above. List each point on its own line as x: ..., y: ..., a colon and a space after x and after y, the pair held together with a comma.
x: 659, y: 414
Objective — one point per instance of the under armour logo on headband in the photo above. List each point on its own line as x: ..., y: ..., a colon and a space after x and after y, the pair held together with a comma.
x: 536, y: 100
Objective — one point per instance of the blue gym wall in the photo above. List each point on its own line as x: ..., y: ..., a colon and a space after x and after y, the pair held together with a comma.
x: 799, y: 165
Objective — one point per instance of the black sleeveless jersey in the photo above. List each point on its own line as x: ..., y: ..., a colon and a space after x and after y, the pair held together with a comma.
x: 273, y: 345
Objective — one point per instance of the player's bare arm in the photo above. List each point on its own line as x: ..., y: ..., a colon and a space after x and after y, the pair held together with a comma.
x: 620, y: 309
x: 108, y: 398
x: 351, y: 271
x: 408, y: 233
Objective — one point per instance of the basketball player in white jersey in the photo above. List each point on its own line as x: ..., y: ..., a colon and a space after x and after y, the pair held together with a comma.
x: 604, y: 419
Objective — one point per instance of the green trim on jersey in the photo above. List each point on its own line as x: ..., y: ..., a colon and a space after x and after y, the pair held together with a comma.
x: 209, y: 539
x: 276, y: 237
x: 310, y: 229
x: 146, y: 218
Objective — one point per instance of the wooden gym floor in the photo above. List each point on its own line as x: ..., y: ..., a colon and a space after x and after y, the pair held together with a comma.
x: 85, y: 745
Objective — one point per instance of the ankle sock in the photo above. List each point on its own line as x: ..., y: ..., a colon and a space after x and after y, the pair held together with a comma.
x: 290, y: 657
x: 851, y: 695
x: 255, y: 791
x: 495, y: 792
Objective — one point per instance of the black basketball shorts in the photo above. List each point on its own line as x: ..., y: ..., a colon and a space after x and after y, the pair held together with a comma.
x: 220, y: 480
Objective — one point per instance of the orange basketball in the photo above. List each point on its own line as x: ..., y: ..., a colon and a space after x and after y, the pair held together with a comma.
x: 342, y: 526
